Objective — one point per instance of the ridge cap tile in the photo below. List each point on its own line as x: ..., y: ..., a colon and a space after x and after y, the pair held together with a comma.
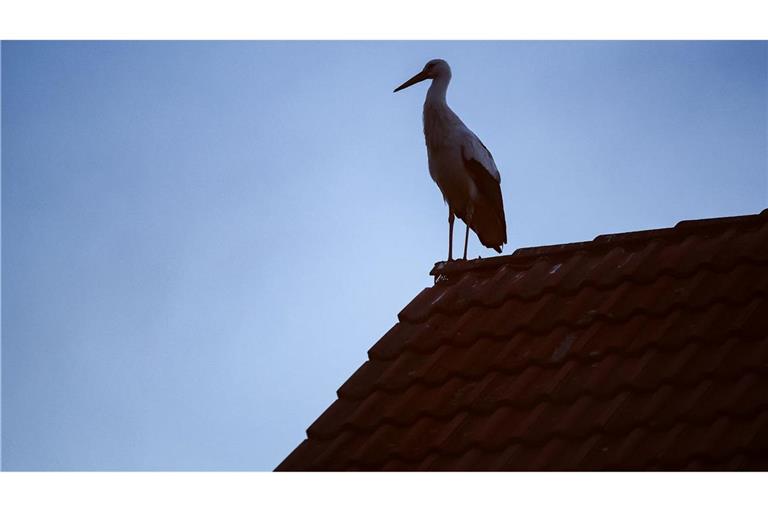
x: 522, y: 256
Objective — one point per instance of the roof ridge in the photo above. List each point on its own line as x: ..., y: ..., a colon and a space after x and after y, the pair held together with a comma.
x: 671, y: 272
x: 523, y: 257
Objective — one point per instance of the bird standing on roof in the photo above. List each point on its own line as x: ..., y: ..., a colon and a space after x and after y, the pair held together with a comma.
x: 460, y: 164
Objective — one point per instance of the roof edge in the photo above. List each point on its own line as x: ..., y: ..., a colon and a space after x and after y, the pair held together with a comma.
x: 524, y: 256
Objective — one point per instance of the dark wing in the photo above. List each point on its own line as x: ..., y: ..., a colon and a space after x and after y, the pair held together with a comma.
x: 488, y: 219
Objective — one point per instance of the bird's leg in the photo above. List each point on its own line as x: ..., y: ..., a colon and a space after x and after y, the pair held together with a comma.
x: 466, y: 239
x: 451, y: 218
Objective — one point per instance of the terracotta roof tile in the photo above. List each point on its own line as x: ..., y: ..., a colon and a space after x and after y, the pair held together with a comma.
x: 644, y: 350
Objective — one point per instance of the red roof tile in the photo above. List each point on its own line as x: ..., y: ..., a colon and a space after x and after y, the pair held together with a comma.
x: 645, y: 350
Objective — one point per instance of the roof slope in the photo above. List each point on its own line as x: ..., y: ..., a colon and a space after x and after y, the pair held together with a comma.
x: 644, y: 350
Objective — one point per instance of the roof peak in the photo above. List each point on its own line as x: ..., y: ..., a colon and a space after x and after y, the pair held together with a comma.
x: 524, y: 256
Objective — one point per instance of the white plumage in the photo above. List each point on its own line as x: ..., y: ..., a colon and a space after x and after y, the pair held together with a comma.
x: 460, y: 164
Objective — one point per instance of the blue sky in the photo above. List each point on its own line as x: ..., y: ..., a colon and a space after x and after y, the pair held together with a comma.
x: 201, y: 241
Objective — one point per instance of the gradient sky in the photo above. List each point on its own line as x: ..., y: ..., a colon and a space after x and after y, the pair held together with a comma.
x: 201, y: 241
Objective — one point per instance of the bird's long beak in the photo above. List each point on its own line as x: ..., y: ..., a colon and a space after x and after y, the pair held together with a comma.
x: 413, y: 80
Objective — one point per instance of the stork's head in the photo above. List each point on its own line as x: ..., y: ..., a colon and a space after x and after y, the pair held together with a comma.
x: 436, y: 68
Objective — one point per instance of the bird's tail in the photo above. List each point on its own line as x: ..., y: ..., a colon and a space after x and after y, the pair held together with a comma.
x: 487, y: 212
x: 489, y: 224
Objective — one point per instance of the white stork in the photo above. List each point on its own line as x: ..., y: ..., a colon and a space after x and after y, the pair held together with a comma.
x: 460, y: 164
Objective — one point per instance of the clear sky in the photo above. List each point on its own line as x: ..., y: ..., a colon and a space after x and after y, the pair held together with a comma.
x: 201, y: 241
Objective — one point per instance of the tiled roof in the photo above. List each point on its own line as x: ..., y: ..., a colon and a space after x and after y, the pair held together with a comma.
x: 644, y: 350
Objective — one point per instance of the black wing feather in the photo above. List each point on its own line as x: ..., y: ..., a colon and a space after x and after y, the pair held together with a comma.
x: 488, y: 219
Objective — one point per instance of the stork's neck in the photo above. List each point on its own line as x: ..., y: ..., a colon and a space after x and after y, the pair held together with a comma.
x: 436, y: 92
